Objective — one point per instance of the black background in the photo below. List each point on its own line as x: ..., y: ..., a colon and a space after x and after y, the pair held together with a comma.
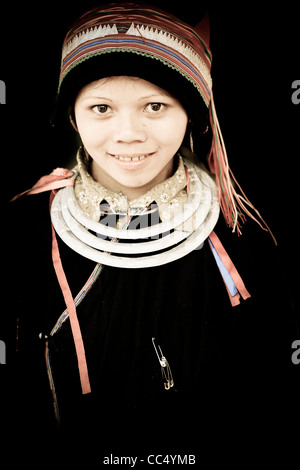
x: 255, y: 50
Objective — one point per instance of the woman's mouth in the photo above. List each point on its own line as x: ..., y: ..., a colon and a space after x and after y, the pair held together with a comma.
x: 130, y: 159
x: 133, y: 159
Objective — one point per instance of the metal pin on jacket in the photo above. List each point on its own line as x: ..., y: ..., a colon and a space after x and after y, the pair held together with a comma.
x: 165, y: 367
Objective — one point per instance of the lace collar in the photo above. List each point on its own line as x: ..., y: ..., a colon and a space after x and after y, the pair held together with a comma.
x: 89, y: 193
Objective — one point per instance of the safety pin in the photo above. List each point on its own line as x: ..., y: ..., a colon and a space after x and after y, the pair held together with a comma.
x: 161, y: 358
x: 165, y: 367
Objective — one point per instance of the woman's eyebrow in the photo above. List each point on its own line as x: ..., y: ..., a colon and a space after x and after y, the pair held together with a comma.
x: 96, y: 97
x: 155, y: 95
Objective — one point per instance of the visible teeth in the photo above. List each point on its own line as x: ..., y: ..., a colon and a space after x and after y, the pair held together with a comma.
x: 128, y: 159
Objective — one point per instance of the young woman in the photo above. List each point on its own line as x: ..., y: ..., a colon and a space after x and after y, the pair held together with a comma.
x: 154, y: 314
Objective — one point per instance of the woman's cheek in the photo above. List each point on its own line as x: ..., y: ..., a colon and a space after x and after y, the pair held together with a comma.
x: 92, y: 135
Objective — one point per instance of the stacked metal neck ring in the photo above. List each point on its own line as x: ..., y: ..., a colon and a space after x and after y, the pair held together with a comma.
x: 139, y: 249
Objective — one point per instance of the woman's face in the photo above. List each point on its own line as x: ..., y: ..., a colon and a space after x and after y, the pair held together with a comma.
x: 132, y: 129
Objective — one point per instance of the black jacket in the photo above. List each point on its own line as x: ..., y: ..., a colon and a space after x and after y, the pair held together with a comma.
x: 225, y: 360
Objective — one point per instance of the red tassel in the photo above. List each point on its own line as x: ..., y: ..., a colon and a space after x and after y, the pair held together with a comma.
x: 234, y: 206
x: 70, y: 304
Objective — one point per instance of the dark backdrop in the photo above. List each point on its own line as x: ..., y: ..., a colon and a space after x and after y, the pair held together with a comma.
x: 255, y: 61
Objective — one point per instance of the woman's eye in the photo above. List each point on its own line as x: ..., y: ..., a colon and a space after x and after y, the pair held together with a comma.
x: 154, y: 107
x: 100, y: 108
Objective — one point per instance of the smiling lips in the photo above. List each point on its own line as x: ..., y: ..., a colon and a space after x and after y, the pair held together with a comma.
x: 133, y: 158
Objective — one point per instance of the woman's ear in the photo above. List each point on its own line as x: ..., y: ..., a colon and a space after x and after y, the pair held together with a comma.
x: 73, y: 121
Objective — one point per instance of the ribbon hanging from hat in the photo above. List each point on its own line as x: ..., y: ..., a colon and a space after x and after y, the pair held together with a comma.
x: 234, y: 206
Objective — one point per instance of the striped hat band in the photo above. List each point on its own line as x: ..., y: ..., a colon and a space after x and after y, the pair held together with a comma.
x: 144, y: 31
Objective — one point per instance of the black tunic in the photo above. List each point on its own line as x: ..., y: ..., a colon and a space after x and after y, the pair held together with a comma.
x: 224, y: 359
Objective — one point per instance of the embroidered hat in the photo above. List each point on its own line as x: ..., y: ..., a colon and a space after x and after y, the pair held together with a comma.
x: 147, y: 42
x: 119, y: 40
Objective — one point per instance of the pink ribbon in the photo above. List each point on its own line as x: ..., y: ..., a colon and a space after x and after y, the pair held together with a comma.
x: 238, y: 281
x: 59, y: 178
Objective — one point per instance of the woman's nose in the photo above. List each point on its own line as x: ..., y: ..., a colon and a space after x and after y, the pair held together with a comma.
x: 128, y: 128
